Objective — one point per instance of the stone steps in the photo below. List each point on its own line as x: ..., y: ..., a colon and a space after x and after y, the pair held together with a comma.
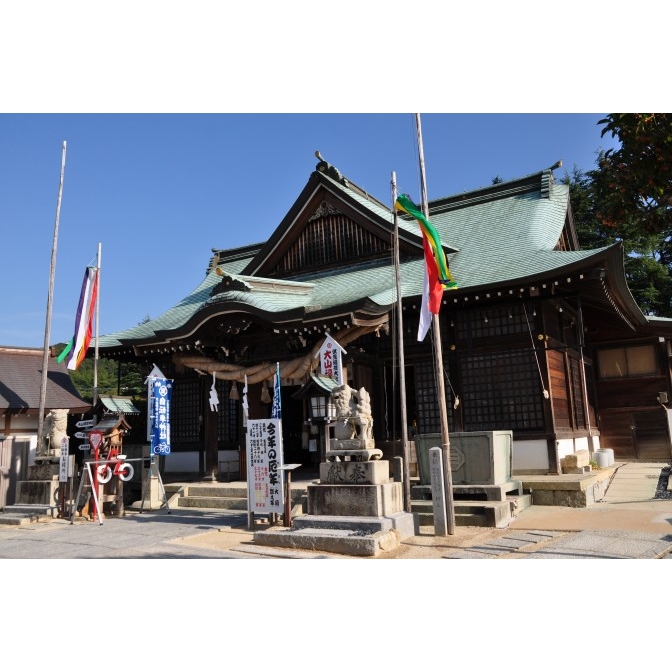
x: 226, y: 497
x: 24, y: 514
x: 233, y: 503
x: 475, y: 513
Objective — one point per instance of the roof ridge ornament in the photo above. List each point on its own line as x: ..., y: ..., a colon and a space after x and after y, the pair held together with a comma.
x: 548, y: 180
x: 331, y: 171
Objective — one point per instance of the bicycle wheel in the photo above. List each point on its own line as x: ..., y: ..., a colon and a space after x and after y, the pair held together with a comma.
x: 126, y: 472
x: 104, y: 474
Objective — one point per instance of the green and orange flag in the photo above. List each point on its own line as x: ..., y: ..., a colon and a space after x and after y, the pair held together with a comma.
x: 438, y: 275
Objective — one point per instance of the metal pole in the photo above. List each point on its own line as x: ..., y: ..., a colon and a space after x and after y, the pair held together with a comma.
x: 47, y: 328
x: 95, y: 361
x: 402, y: 364
x: 288, y: 499
x: 438, y: 364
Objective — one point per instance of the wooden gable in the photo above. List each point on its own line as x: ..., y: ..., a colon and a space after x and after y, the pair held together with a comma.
x: 326, y: 229
x: 329, y: 239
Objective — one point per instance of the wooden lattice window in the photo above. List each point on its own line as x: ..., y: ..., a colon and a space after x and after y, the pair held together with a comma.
x: 501, y: 391
x: 426, y: 400
x: 186, y: 410
x: 227, y: 418
x: 495, y: 321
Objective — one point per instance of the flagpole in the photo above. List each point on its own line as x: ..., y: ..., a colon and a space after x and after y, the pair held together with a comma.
x: 438, y: 363
x: 47, y: 329
x: 95, y: 361
x: 402, y: 365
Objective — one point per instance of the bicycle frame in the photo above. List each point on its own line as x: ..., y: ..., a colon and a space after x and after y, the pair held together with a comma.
x: 114, y: 465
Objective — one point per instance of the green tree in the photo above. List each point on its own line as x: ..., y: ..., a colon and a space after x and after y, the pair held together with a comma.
x: 122, y: 378
x: 648, y: 256
x: 633, y: 185
x: 82, y: 377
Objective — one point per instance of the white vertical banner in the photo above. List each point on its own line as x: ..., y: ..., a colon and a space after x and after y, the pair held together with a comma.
x: 64, y: 461
x: 330, y: 359
x: 264, y: 458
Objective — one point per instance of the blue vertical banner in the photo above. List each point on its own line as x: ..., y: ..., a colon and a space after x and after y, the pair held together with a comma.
x: 160, y: 399
x: 276, y: 410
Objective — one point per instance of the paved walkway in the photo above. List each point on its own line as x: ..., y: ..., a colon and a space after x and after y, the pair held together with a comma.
x: 629, y: 523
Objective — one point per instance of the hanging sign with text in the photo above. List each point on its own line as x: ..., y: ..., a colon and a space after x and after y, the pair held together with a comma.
x: 330, y: 359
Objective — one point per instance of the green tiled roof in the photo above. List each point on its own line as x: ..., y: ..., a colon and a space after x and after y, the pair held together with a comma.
x: 500, y: 238
x: 123, y: 405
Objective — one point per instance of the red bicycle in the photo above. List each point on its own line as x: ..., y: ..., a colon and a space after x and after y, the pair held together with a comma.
x: 115, y: 466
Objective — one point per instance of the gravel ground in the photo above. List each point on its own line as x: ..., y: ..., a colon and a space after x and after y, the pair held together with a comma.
x: 661, y: 490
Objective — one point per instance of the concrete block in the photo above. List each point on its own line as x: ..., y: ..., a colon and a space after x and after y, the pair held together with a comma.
x: 577, y: 460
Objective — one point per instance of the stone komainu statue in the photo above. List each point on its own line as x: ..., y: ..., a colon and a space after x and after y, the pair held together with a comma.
x: 353, y: 414
x: 55, y: 429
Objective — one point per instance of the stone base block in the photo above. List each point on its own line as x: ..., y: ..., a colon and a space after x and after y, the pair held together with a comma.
x: 44, y: 471
x: 355, y: 500
x: 36, y: 492
x: 355, y: 473
x: 344, y: 542
x: 355, y: 536
x: 405, y: 523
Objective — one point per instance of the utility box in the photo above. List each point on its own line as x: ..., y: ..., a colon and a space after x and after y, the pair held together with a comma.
x: 476, y: 458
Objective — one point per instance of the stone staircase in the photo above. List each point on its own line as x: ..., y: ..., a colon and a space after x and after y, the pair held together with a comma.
x: 230, y: 496
x: 474, y: 505
x: 479, y: 506
x: 24, y: 514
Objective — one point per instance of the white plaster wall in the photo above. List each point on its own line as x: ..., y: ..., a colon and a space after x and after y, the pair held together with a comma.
x: 565, y: 447
x: 23, y: 422
x: 581, y: 443
x: 529, y: 455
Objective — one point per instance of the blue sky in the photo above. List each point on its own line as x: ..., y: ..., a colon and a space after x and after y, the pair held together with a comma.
x: 158, y: 183
x: 159, y: 191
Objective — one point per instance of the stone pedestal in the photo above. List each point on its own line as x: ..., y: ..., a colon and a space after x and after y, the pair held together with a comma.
x: 355, y: 489
x: 379, y: 500
x: 41, y: 485
x: 355, y: 509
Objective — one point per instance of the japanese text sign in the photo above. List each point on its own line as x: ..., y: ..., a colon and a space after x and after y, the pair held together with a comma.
x: 264, y: 460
